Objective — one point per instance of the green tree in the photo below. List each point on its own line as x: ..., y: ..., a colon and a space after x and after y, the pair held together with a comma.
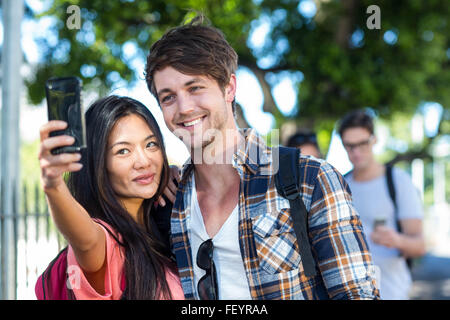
x: 344, y: 64
x: 347, y: 66
x: 107, y: 26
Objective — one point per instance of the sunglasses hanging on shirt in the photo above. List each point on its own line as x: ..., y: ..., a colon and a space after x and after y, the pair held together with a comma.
x: 207, y: 286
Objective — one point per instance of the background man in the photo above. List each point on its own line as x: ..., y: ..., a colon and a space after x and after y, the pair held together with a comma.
x: 306, y: 141
x: 371, y: 198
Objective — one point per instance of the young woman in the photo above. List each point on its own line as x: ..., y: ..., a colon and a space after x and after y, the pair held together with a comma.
x: 106, y: 211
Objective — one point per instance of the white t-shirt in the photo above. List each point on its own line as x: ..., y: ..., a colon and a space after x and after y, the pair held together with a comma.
x: 371, y: 200
x: 231, y: 275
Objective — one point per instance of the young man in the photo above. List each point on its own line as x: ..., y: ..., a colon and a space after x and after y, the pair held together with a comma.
x: 370, y: 191
x: 231, y: 232
x: 306, y: 141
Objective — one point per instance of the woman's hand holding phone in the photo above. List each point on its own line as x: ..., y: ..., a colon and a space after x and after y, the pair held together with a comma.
x: 53, y: 166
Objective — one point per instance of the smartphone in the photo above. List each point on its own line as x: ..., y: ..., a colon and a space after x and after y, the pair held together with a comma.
x: 64, y: 103
x: 379, y: 221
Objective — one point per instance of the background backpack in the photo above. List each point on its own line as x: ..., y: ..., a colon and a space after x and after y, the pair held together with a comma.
x: 53, y: 284
x: 287, y: 182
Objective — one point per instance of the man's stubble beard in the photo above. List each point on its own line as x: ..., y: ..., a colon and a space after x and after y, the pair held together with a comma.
x: 217, y: 125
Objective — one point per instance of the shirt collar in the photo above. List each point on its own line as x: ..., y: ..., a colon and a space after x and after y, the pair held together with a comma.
x: 254, y: 153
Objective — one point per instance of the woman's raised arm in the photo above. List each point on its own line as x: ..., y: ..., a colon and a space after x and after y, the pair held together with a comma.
x: 84, y: 235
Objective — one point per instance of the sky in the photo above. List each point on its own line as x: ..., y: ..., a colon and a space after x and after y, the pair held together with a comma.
x: 249, y: 93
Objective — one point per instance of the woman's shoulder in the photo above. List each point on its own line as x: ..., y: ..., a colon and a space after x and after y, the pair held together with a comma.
x: 115, y: 259
x: 110, y: 231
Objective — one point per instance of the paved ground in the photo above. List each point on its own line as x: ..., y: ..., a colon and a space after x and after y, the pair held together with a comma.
x: 431, y: 278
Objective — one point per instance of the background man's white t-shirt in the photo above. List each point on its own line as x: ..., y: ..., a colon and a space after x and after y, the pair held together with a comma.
x: 371, y: 200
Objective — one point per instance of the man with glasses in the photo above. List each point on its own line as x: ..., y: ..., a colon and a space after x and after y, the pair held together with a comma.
x: 232, y: 233
x: 394, y: 228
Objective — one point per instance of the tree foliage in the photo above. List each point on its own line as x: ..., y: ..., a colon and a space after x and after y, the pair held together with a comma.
x: 345, y: 65
x: 348, y: 66
x: 95, y: 53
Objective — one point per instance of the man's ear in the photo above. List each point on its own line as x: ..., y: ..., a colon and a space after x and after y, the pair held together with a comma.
x: 230, y: 89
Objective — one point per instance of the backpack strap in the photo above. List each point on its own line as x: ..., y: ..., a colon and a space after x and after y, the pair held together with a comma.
x: 390, y: 183
x: 391, y: 189
x: 287, y: 183
x: 392, y: 194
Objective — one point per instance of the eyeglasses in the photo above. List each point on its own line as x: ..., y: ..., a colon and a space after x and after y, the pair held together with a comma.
x: 363, y: 145
x: 208, y: 288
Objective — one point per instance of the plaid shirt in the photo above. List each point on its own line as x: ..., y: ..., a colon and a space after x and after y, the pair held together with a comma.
x: 267, y: 239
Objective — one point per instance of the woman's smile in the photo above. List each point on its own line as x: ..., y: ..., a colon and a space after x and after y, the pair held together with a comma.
x: 144, y: 179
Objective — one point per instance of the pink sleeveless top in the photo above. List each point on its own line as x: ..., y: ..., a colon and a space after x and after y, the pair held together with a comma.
x: 115, y: 258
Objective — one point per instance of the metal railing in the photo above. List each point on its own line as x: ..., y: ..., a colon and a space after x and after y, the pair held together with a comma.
x: 34, y: 243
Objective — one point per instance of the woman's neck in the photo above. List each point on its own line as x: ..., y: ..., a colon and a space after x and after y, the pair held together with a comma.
x: 135, y: 209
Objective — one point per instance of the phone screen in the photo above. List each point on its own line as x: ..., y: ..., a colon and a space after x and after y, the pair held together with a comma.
x: 380, y: 221
x: 64, y: 103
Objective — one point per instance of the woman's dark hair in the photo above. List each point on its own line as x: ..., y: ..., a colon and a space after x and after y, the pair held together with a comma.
x: 145, y: 258
x: 356, y: 119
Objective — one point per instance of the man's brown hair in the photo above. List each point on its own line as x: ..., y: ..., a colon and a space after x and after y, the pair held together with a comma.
x: 356, y: 119
x: 195, y: 48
